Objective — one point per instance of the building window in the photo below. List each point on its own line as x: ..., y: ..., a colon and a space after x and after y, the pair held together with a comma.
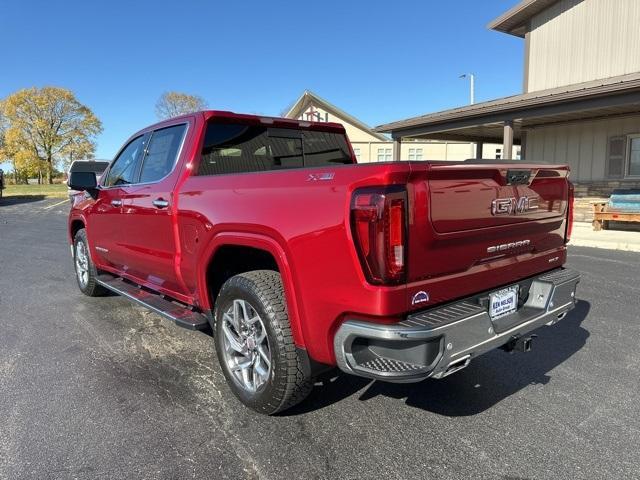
x: 356, y: 152
x: 633, y: 169
x: 415, y: 154
x: 518, y: 154
x: 498, y: 153
x: 384, y: 154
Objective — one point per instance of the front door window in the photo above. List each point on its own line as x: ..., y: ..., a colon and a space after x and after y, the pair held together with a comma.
x: 123, y: 170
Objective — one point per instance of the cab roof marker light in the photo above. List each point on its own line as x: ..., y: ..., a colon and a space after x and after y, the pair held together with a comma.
x: 266, y: 120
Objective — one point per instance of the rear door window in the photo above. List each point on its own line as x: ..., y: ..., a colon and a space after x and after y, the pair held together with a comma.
x: 238, y: 148
x: 162, y: 153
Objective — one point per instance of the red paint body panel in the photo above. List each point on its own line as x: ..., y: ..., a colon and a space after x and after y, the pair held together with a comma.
x: 305, y: 226
x: 453, y: 225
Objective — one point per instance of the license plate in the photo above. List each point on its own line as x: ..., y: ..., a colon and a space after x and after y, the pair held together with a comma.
x: 503, y: 302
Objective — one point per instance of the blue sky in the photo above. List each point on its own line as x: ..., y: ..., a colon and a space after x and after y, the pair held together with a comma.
x: 379, y: 61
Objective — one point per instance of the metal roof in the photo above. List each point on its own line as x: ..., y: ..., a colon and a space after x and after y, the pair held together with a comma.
x: 530, y: 104
x: 514, y: 21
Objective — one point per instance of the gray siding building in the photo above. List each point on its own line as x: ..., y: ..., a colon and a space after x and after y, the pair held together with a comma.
x: 581, y: 94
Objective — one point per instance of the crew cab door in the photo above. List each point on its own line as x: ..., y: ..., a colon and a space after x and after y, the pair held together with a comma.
x: 149, y: 233
x: 104, y: 224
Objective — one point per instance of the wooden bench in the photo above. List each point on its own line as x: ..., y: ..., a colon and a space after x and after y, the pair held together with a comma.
x: 603, y: 212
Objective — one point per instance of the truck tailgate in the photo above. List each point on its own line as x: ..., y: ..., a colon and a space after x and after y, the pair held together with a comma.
x: 469, y: 214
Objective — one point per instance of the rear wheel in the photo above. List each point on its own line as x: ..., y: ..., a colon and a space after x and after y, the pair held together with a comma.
x: 255, y: 345
x: 86, y: 272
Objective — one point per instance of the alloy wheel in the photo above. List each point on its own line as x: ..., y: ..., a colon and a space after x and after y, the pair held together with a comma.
x: 246, y: 346
x: 82, y: 264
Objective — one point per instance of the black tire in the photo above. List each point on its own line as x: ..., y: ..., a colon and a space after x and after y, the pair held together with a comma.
x: 289, y: 380
x: 89, y: 287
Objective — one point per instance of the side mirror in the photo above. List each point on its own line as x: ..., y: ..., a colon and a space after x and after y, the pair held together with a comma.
x: 83, y: 181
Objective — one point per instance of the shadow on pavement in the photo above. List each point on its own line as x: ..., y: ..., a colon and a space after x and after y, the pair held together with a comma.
x: 488, y: 380
x: 4, y: 201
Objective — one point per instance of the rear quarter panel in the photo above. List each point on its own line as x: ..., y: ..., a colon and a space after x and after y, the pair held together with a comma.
x: 305, y: 224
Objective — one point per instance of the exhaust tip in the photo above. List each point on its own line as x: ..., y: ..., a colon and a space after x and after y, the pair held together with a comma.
x: 456, y: 366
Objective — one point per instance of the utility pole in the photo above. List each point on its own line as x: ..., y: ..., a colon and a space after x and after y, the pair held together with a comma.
x: 472, y: 100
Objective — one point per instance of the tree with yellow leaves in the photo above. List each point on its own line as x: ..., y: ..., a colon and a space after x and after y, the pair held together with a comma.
x: 172, y: 104
x: 26, y: 165
x: 45, y: 127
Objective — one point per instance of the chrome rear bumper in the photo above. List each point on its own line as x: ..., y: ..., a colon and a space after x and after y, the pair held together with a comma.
x: 442, y: 340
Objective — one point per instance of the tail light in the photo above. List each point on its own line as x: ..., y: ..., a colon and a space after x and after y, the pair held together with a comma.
x: 567, y: 235
x: 378, y: 223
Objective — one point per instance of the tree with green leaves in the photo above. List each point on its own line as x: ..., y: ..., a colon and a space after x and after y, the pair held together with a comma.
x: 173, y: 104
x: 46, y: 127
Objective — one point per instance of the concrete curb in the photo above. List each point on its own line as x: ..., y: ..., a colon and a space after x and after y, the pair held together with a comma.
x: 584, y: 236
x: 605, y: 245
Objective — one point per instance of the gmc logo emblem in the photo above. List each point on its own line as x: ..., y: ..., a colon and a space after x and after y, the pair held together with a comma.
x: 513, y: 206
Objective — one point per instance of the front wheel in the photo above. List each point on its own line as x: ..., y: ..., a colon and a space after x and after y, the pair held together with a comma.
x: 86, y: 272
x: 255, y: 345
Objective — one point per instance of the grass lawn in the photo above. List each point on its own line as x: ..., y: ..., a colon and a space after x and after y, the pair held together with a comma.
x: 50, y: 191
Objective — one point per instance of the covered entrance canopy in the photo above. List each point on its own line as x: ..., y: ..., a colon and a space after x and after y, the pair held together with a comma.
x: 506, y: 120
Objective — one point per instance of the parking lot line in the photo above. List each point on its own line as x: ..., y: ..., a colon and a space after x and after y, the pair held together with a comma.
x: 56, y: 204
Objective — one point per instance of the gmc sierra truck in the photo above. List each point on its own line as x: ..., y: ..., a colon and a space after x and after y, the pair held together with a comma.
x: 266, y: 232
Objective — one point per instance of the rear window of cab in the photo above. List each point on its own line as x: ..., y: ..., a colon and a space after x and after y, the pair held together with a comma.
x: 240, y: 148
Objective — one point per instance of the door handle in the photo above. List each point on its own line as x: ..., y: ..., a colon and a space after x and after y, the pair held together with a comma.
x: 160, y: 203
x: 116, y: 203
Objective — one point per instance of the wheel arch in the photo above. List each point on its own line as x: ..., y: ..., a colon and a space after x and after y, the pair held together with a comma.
x: 262, y: 252
x: 75, y: 224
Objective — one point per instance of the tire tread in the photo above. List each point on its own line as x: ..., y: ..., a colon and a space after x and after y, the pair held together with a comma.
x: 267, y: 286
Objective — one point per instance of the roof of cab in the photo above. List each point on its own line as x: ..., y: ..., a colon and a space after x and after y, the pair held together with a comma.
x: 250, y: 119
x: 272, y: 121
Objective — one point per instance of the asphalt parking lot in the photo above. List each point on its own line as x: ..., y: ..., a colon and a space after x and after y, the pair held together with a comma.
x: 99, y: 388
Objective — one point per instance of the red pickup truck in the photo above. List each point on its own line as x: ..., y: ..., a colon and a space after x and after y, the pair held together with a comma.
x: 267, y: 232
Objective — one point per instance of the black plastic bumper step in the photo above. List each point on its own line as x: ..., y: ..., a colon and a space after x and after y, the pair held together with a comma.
x: 179, y: 313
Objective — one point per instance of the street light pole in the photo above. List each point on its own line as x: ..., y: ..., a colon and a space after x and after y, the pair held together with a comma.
x: 472, y: 86
x: 472, y: 94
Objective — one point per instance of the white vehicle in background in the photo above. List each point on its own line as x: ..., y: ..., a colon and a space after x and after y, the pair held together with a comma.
x: 93, y: 166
